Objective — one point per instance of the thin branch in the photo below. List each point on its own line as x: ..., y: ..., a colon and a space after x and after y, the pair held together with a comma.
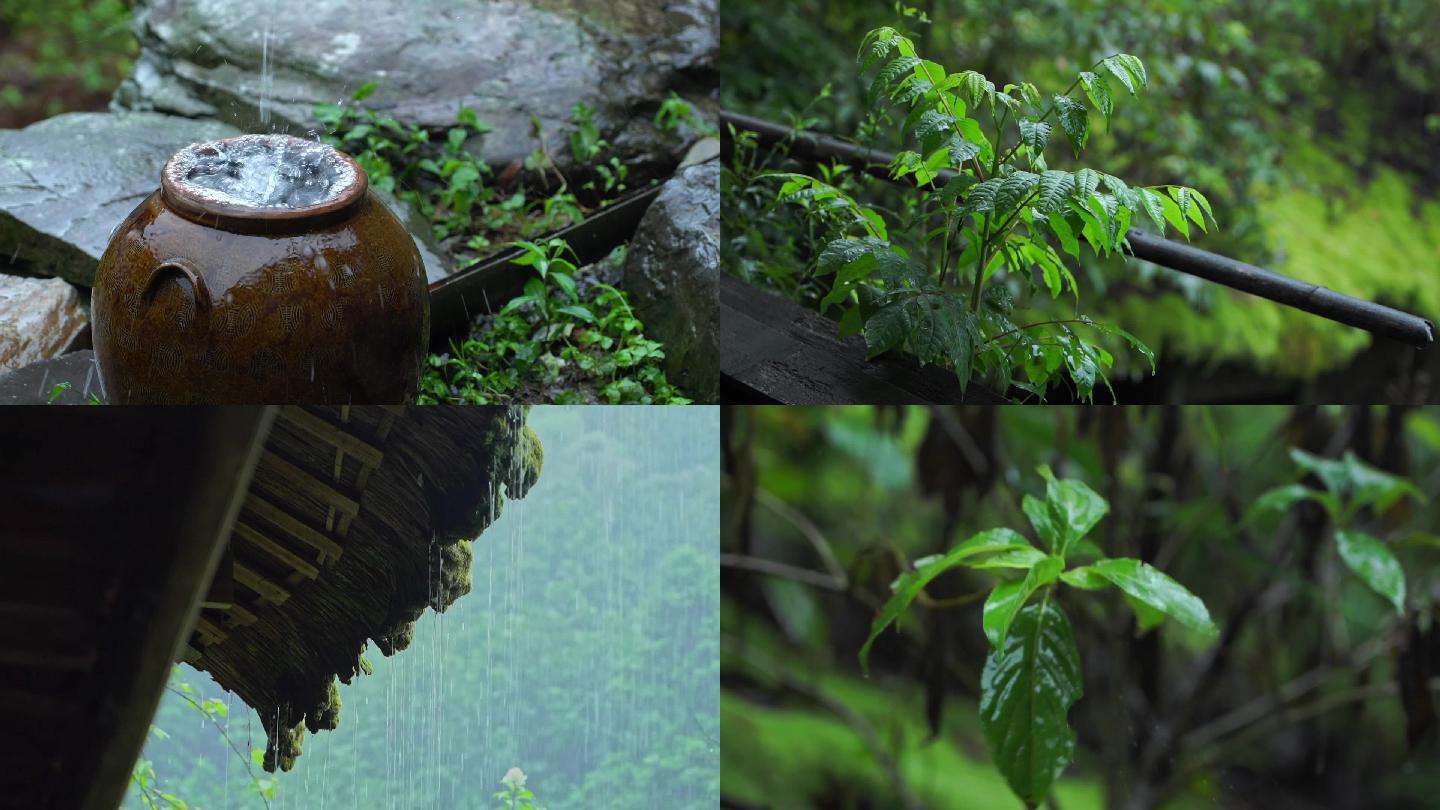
x: 1259, y: 709
x: 962, y: 440
x: 1297, y: 714
x: 1032, y: 326
x: 778, y: 569
x: 243, y: 758
x: 807, y: 528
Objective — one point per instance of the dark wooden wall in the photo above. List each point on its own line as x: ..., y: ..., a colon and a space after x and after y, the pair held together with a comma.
x: 111, y: 523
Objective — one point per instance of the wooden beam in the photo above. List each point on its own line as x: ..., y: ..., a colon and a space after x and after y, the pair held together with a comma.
x: 258, y: 583
x: 209, y: 630
x: 209, y: 457
x: 329, y: 433
x: 778, y: 351
x: 297, y: 528
x: 257, y: 538
x: 306, y: 482
x: 238, y: 616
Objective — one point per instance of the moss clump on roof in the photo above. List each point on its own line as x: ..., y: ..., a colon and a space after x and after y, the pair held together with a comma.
x: 533, y: 458
x: 327, y: 714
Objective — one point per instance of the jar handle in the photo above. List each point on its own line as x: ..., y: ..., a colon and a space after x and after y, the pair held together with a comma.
x: 198, y: 290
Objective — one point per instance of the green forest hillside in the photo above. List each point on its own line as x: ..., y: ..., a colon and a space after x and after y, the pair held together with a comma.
x: 586, y: 653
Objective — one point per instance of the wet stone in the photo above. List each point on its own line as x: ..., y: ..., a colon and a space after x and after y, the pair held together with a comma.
x: 264, y: 67
x: 70, y: 379
x: 39, y: 319
x: 672, y: 273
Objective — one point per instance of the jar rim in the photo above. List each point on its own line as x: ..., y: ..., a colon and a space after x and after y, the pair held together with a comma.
x: 194, y: 204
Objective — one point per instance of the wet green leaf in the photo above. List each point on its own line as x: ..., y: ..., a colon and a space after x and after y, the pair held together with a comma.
x: 1086, y: 578
x: 1019, y: 558
x: 1372, y: 561
x: 1155, y: 588
x: 1374, y: 487
x: 1026, y: 691
x: 1074, y: 509
x: 1038, y: 512
x: 1281, y: 498
x: 1009, y: 597
x: 1074, y: 120
x: 909, y: 584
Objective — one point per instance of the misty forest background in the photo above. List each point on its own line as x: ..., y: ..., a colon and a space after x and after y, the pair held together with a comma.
x: 586, y: 652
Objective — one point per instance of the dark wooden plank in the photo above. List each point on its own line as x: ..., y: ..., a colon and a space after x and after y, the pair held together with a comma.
x: 309, y: 483
x: 776, y: 351
x: 296, y: 527
x: 328, y: 432
x: 208, y: 459
x: 222, y: 586
x: 275, y: 549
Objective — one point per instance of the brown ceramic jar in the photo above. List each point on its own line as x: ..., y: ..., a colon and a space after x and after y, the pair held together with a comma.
x: 219, y: 289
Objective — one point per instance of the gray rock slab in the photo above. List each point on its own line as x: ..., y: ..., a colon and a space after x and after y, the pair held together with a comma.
x: 512, y: 61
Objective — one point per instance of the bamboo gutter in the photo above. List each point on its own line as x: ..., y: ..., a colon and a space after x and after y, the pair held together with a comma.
x: 1238, y: 275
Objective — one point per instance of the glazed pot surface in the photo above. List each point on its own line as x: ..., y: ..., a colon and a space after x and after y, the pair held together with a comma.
x: 197, y: 301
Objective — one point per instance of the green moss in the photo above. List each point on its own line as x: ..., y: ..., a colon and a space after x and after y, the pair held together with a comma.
x: 532, y: 455
x: 1374, y: 240
x: 450, y: 566
x: 290, y: 746
x: 327, y: 713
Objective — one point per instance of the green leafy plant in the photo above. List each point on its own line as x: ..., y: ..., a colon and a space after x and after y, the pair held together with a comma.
x: 1351, y: 487
x: 586, y: 142
x: 997, y: 219
x: 454, y: 190
x: 515, y: 796
x: 446, y: 188
x: 145, y: 782
x: 586, y: 146
x: 1032, y: 674
x: 556, y: 331
x: 676, y: 113
x: 557, y: 328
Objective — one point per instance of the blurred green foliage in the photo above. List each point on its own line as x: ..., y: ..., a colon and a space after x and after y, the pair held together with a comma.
x: 55, y: 53
x: 1179, y: 481
x: 1287, y: 115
